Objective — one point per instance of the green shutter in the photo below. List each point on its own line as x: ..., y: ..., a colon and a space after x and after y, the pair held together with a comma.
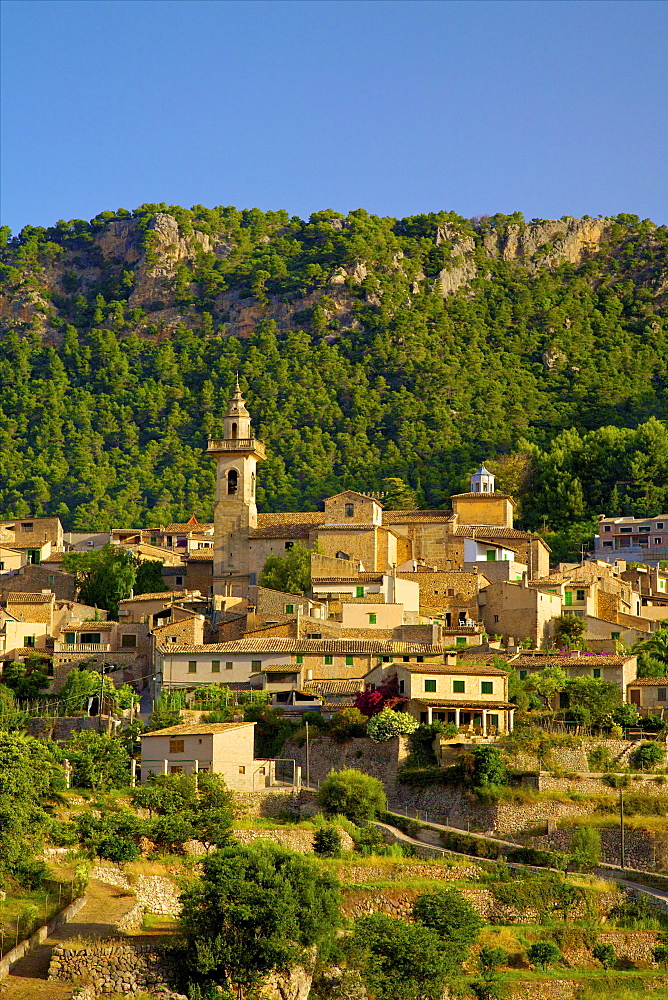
x: 491, y: 555
x: 359, y: 592
x: 568, y: 598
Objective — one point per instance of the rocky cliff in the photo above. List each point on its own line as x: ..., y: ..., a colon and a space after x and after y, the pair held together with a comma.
x: 159, y: 269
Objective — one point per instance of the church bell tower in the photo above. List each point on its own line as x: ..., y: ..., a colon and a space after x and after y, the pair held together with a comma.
x: 235, y: 514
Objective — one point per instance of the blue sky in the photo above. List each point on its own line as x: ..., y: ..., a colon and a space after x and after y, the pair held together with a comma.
x: 549, y: 108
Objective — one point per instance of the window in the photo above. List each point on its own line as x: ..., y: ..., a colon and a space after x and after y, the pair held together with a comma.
x: 70, y: 638
x: 314, y: 635
x: 493, y: 720
x: 406, y: 659
x: 192, y: 666
x: 256, y: 664
x: 420, y: 659
x: 402, y: 687
x: 563, y: 699
x: 491, y: 555
x: 215, y: 666
x: 386, y: 659
x: 179, y: 581
x: 232, y: 482
x: 128, y: 641
x: 28, y: 526
x: 49, y: 579
x: 372, y: 619
x: 175, y: 769
x: 2, y: 565
x: 350, y: 510
x: 487, y: 687
x: 606, y: 527
x: 90, y: 637
x: 659, y: 525
x: 154, y: 539
x: 289, y: 609
x: 626, y: 531
x: 342, y: 555
x: 289, y: 545
x: 242, y: 769
x: 658, y: 541
x: 451, y: 591
x: 496, y: 618
x: 229, y: 665
x: 579, y: 595
x: 349, y: 661
x: 329, y: 660
x: 644, y: 527
x: 173, y: 638
x: 661, y: 694
x: 252, y: 579
x: 177, y: 746
x: 460, y: 640
x: 597, y: 673
x: 262, y: 770
x: 458, y: 687
x: 359, y: 592
x: 523, y: 674
x: 615, y: 635
x: 300, y: 659
x: 28, y: 640
x: 430, y: 685
x: 608, y: 545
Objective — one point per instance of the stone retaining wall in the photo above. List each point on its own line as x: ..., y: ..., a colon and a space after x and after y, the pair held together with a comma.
x: 269, y: 802
x: 126, y: 968
x: 115, y: 968
x: 295, y: 840
x: 361, y: 874
x: 643, y: 850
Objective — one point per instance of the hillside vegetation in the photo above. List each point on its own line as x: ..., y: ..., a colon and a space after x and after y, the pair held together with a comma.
x: 367, y: 348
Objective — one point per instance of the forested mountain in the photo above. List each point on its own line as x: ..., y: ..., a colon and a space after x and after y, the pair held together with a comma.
x: 367, y: 348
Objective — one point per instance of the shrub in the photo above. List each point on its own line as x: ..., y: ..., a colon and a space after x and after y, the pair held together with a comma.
x: 399, y: 959
x: 466, y: 844
x: 453, y: 918
x: 388, y: 724
x: 347, y: 724
x: 599, y: 759
x: 490, y: 959
x: 117, y: 848
x: 543, y: 953
x: 533, y: 856
x: 369, y: 840
x: 489, y: 767
x: 327, y: 841
x: 660, y: 954
x: 353, y: 794
x: 605, y: 954
x: 585, y: 848
x: 648, y: 755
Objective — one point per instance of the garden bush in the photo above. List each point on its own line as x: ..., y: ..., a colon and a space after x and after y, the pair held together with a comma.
x: 646, y: 756
x: 387, y: 724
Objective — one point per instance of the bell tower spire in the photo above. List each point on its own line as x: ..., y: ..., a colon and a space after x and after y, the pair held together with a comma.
x: 235, y: 515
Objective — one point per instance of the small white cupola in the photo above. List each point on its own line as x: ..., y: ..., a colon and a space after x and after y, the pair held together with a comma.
x: 482, y: 481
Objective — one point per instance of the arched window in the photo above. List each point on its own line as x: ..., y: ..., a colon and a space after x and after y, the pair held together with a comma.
x: 234, y: 430
x: 232, y: 477
x: 253, y: 484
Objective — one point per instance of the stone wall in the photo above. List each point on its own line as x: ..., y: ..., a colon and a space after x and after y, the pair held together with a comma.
x: 115, y: 968
x: 295, y: 840
x: 381, y: 760
x: 644, y: 850
x: 269, y: 802
x: 595, y: 784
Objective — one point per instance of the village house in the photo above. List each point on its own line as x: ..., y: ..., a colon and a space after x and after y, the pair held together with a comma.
x: 473, y: 696
x: 634, y: 539
x: 515, y: 611
x: 648, y: 694
x: 103, y: 645
x: 618, y: 670
x: 225, y: 748
x: 242, y: 661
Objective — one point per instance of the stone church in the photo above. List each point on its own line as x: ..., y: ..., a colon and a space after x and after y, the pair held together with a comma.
x: 353, y: 526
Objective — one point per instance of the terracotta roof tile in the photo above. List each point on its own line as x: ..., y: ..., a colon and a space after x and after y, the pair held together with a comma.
x: 19, y: 598
x: 648, y: 682
x: 281, y: 644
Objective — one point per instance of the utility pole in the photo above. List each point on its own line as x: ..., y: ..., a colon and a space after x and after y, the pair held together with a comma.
x: 308, y: 759
x: 621, y: 827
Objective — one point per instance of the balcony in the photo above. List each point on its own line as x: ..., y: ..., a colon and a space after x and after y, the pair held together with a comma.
x: 82, y: 647
x: 236, y: 444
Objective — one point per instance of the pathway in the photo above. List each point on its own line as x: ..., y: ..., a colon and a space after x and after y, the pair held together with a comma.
x: 105, y: 905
